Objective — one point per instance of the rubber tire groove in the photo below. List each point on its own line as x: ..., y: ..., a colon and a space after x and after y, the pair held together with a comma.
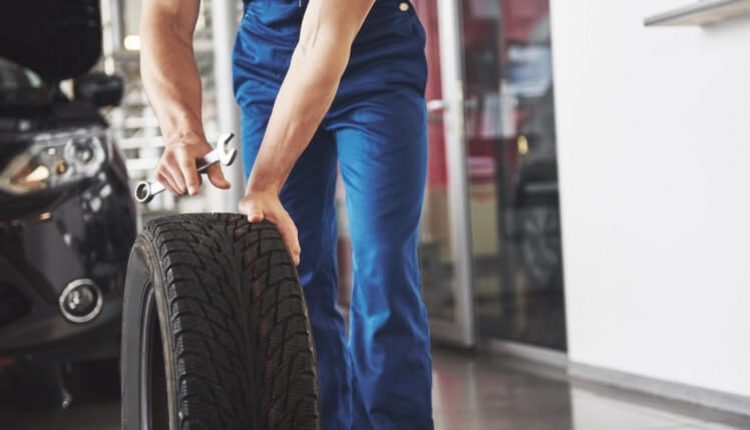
x: 243, y: 346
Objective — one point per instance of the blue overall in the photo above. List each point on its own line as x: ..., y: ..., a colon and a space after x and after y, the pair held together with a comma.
x: 380, y: 377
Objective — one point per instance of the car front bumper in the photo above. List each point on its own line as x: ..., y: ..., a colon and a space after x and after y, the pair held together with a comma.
x: 84, y: 232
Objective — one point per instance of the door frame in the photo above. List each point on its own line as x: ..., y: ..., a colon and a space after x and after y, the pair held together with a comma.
x: 461, y: 331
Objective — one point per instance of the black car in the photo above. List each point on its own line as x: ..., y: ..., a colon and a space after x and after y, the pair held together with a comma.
x: 67, y: 218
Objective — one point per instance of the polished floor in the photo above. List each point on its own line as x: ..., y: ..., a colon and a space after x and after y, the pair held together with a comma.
x: 490, y: 392
x: 472, y: 392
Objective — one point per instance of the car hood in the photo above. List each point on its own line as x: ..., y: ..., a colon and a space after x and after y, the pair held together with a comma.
x: 58, y: 39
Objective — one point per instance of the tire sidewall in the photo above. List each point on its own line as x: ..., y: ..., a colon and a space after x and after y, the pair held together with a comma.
x: 144, y: 293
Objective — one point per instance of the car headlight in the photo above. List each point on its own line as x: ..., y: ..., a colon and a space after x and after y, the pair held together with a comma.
x: 55, y: 159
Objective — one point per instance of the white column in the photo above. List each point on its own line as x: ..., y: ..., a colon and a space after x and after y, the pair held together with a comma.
x: 224, y: 19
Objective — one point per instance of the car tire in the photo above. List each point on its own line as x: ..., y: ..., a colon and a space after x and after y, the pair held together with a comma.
x: 215, y: 329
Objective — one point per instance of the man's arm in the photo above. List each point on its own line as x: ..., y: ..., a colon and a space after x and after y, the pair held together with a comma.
x: 318, y: 63
x: 172, y: 83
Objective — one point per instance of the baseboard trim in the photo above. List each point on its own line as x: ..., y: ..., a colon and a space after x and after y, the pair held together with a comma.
x: 536, y: 354
x: 671, y: 390
x: 705, y: 397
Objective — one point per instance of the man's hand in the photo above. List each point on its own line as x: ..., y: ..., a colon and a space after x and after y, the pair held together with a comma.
x: 177, y: 169
x: 315, y: 70
x: 265, y: 205
x: 172, y: 82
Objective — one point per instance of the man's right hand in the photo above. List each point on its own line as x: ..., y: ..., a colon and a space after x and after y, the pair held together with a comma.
x: 173, y: 85
x: 177, y: 169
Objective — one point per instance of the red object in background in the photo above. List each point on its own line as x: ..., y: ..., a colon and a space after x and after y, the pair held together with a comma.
x: 520, y: 17
x: 437, y: 174
x: 6, y: 363
x: 518, y: 21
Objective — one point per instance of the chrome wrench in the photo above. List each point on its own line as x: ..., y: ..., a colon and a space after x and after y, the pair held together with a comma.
x: 223, y: 153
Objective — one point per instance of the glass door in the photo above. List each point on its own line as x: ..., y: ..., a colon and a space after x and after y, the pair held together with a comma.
x: 491, y: 246
x: 512, y: 170
x: 445, y: 246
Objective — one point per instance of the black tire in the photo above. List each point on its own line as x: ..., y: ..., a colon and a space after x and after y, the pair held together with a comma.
x: 215, y: 329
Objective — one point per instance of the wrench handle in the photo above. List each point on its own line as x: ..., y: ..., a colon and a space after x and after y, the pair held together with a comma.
x: 202, y: 164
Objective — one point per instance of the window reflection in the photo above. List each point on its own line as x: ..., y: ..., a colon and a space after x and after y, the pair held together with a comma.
x: 510, y: 129
x: 436, y: 249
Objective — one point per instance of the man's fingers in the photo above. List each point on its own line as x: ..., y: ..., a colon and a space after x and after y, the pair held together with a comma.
x: 172, y: 170
x: 259, y: 208
x: 216, y: 176
x: 164, y: 178
x: 190, y: 175
x: 255, y: 216
x: 289, y: 234
x: 253, y: 213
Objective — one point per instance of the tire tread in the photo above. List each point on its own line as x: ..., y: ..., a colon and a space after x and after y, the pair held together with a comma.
x: 239, y: 324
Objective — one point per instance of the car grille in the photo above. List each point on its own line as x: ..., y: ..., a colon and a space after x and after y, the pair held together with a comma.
x: 13, y: 305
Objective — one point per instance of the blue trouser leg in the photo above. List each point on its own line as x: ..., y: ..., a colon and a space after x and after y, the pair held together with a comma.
x: 381, y: 145
x: 381, y: 142
x: 377, y: 129
x: 308, y: 197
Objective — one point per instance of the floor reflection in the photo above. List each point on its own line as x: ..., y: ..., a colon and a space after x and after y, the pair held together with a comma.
x: 471, y: 392
x: 489, y: 392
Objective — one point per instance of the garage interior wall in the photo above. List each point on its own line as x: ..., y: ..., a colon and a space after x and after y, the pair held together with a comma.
x: 654, y: 161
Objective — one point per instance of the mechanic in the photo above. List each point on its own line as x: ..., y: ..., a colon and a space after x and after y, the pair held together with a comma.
x: 321, y: 82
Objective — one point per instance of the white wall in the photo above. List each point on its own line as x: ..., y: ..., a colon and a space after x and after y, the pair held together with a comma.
x: 654, y: 158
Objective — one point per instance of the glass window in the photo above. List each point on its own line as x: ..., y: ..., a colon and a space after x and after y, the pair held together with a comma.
x: 514, y: 207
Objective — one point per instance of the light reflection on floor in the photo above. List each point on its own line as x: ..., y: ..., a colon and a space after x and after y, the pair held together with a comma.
x: 490, y: 392
x: 473, y: 392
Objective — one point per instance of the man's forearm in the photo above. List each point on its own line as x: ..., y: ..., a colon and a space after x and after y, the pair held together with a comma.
x: 169, y: 71
x: 316, y: 68
x: 173, y: 85
x: 304, y: 98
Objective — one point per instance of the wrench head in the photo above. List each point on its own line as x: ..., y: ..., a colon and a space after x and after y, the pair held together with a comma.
x: 227, y: 152
x: 143, y: 192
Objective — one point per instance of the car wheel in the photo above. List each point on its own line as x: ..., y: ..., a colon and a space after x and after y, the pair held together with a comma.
x: 215, y: 329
